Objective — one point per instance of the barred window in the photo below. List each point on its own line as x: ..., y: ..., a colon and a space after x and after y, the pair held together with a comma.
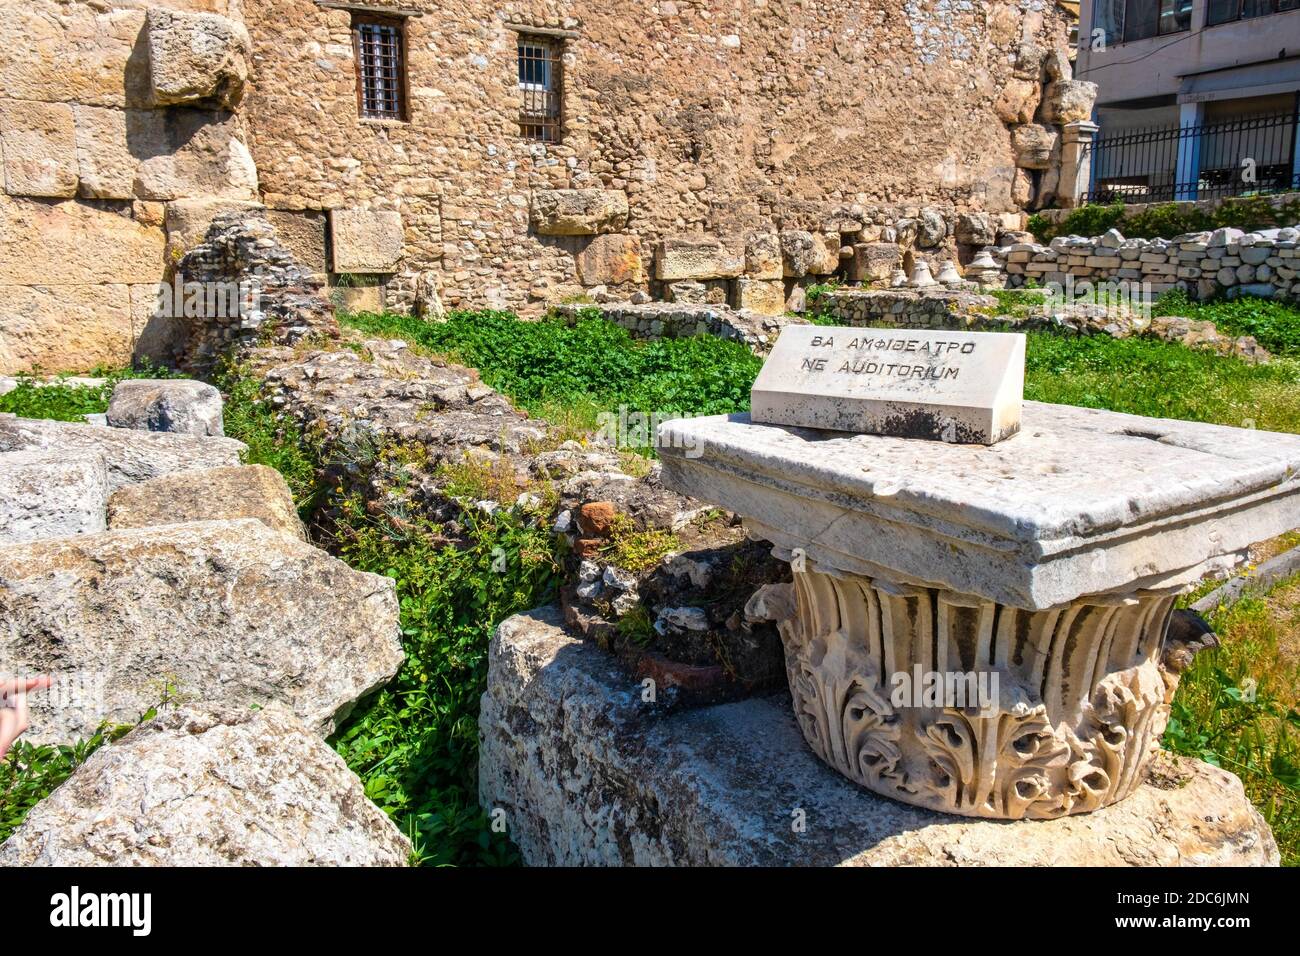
x: 380, y: 47
x: 540, y: 89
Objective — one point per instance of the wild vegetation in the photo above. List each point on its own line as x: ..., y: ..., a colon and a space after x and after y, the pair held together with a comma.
x: 1168, y: 219
x: 414, y: 744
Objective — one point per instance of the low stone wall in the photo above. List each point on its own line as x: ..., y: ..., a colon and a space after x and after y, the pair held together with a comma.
x: 667, y: 320
x: 906, y: 308
x: 1207, y: 264
x: 949, y: 309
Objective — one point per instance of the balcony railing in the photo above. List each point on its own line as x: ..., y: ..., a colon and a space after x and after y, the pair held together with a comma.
x: 1237, y: 157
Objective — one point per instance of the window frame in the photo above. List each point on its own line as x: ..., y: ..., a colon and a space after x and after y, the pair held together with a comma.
x: 1122, y: 28
x: 554, y: 48
x: 399, y: 24
x: 1276, y: 6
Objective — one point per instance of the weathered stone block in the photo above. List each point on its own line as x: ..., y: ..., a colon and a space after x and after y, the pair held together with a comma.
x: 701, y: 257
x: 191, y: 153
x: 247, y: 491
x: 166, y: 405
x: 73, y: 52
x: 40, y: 149
x: 1034, y: 146
x: 766, y: 296
x: 187, y: 222
x: 211, y: 786
x: 578, y: 212
x: 1017, y: 102
x: 976, y: 229
x: 612, y: 259
x: 366, y: 240
x: 303, y: 234
x: 714, y: 786
x: 763, y: 256
x: 197, y: 58
x: 227, y: 611
x: 874, y: 261
x: 105, y: 163
x: 51, y: 494
x: 801, y: 253
x: 63, y: 327
x: 130, y: 455
x: 1068, y: 101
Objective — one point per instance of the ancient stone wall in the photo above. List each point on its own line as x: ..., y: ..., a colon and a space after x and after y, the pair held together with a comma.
x: 680, y: 118
x: 110, y: 114
x: 1264, y: 263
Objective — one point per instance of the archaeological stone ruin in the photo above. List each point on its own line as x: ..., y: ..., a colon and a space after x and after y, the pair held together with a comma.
x: 892, y: 613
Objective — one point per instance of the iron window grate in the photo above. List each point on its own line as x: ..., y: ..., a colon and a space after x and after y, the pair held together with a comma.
x: 540, y: 90
x: 381, y: 68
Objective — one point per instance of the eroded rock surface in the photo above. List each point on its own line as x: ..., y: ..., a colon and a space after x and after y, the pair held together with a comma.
x: 51, y: 494
x: 243, y: 491
x: 227, y: 611
x: 166, y: 405
x: 210, y: 786
x: 641, y: 785
x: 130, y: 455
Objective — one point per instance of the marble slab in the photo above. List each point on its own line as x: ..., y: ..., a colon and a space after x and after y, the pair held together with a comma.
x: 962, y: 387
x: 1080, y: 501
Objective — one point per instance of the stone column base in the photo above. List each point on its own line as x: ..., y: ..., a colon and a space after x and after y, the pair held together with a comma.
x: 586, y: 773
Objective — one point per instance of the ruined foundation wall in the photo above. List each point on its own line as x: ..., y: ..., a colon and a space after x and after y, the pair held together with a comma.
x: 113, y: 115
x: 701, y: 117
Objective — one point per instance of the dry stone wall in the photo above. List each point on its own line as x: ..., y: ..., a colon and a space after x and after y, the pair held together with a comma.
x: 1226, y: 261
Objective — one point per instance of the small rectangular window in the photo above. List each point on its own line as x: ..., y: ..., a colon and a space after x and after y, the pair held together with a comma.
x: 540, y: 89
x: 380, y: 47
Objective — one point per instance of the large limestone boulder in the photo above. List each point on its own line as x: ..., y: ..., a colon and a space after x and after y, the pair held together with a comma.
x: 801, y: 253
x: 228, y: 611
x: 65, y: 328
x: 1017, y: 102
x: 214, y: 494
x: 1068, y: 101
x: 697, y: 257
x: 166, y: 405
x: 578, y: 212
x: 190, y: 152
x: 73, y: 243
x: 40, y: 149
x: 719, y: 786
x: 197, y: 58
x: 51, y: 494
x: 74, y: 53
x: 764, y: 296
x: 210, y: 786
x: 366, y: 241
x: 130, y: 455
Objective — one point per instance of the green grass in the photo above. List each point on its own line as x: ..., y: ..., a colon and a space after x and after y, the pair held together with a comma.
x: 70, y: 403
x: 572, y: 372
x: 594, y: 365
x: 1275, y: 325
x: 1161, y: 380
x: 273, y: 439
x: 415, y: 744
x: 1236, y: 708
